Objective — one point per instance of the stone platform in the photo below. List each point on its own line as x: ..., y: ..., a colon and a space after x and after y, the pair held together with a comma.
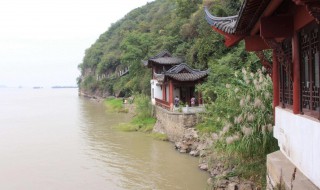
x: 281, y: 171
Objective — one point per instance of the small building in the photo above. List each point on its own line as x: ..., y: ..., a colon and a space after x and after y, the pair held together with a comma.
x: 290, y: 28
x: 172, y: 78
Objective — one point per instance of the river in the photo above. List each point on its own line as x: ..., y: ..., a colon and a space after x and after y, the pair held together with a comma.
x: 53, y: 139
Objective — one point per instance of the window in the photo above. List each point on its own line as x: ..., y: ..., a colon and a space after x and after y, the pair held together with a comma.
x: 286, y: 84
x: 310, y: 73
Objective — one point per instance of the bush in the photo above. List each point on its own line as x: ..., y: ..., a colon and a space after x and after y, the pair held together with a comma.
x: 143, y: 106
x: 143, y: 121
x: 242, y: 117
x: 114, y: 104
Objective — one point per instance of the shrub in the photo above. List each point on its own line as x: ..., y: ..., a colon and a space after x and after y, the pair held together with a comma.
x: 115, y: 104
x: 143, y: 106
x: 242, y: 117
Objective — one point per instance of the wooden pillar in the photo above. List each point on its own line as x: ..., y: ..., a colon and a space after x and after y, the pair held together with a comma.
x: 164, y: 92
x: 296, y: 74
x: 171, y: 93
x: 275, y: 80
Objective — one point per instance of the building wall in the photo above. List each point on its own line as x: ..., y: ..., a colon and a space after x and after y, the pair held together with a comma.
x: 299, y: 140
x: 156, y: 90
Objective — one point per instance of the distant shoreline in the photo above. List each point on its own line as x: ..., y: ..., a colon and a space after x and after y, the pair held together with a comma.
x: 64, y: 87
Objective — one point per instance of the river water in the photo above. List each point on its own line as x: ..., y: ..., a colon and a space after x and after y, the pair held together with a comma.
x: 53, y: 139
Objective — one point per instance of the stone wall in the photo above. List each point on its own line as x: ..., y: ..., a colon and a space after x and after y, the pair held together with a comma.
x: 173, y: 124
x: 99, y: 95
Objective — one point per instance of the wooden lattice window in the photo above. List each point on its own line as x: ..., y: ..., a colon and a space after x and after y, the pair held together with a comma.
x: 309, y: 41
x: 286, y: 84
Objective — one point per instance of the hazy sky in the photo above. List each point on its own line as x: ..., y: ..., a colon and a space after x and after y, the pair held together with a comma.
x: 43, y: 41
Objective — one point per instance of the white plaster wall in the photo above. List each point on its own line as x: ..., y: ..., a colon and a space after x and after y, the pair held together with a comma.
x: 167, y: 93
x: 157, y: 91
x: 299, y: 140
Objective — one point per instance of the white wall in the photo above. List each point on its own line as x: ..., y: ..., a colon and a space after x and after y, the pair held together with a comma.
x: 167, y: 93
x: 157, y: 91
x: 299, y: 140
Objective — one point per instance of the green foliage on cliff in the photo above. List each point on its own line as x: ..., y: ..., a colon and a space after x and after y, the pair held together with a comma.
x: 177, y: 26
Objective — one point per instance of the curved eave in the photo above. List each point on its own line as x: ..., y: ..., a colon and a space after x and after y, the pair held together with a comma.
x: 225, y: 24
x: 167, y: 61
x: 187, y: 77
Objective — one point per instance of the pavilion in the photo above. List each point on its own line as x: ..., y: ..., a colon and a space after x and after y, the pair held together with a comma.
x: 172, y: 78
x: 290, y: 28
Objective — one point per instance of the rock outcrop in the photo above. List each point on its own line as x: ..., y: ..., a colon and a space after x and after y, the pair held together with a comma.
x: 221, y: 177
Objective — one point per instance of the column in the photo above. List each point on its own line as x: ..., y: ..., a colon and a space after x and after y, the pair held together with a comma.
x: 296, y: 74
x: 164, y: 92
x: 170, y: 94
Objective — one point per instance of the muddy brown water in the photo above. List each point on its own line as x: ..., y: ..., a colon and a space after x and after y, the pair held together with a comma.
x: 53, y: 139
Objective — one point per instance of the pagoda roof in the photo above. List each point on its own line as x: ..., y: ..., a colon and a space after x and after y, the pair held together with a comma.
x: 236, y: 28
x: 243, y: 22
x: 183, y: 73
x: 167, y: 60
x: 163, y: 58
x: 164, y: 53
x: 226, y: 24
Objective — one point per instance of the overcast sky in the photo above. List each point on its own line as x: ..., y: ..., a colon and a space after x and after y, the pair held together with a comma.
x: 43, y: 41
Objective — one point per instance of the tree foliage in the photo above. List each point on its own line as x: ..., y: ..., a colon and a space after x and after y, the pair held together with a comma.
x: 177, y: 26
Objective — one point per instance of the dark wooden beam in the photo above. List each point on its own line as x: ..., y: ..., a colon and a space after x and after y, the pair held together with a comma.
x: 277, y: 27
x: 230, y: 40
x: 302, y: 18
x: 255, y: 43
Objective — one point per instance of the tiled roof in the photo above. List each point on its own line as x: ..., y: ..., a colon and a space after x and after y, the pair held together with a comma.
x: 242, y: 23
x: 167, y: 60
x: 161, y: 54
x: 163, y: 58
x: 226, y: 24
x: 187, y: 76
x: 181, y: 67
x: 182, y: 72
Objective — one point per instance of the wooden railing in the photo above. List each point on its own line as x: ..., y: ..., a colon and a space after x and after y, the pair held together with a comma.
x: 162, y: 104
